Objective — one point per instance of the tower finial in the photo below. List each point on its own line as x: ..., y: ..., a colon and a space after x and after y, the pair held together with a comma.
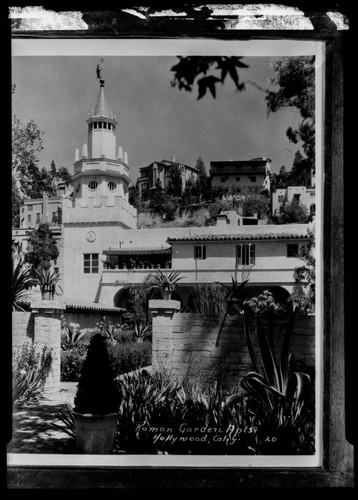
x: 99, y: 71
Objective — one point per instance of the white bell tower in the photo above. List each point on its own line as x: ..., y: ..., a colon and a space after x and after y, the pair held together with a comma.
x: 101, y: 173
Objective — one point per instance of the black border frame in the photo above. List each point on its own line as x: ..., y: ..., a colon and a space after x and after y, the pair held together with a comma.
x: 338, y: 466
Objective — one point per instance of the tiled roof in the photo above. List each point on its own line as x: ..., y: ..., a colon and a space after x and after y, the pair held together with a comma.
x: 76, y: 306
x: 242, y: 236
x: 138, y: 250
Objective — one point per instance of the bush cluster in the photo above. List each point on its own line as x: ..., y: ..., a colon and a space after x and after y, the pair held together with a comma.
x: 152, y: 404
x: 129, y: 356
x: 30, y: 368
x: 125, y: 353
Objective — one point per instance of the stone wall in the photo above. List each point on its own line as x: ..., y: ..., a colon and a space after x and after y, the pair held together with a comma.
x: 188, y: 344
x: 22, y: 328
x: 47, y: 322
x: 41, y: 326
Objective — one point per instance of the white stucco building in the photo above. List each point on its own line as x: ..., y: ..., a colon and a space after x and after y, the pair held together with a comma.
x: 102, y: 250
x: 306, y: 196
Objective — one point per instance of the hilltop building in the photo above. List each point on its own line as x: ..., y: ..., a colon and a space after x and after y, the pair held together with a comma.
x: 158, y: 172
x: 303, y: 195
x: 241, y: 176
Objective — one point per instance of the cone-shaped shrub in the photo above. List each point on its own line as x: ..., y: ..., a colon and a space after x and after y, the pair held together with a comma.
x: 97, y: 391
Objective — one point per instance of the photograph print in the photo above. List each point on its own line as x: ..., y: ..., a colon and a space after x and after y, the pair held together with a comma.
x: 166, y: 241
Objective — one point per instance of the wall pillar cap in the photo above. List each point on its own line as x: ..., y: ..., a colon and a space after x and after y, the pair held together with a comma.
x: 160, y: 306
x: 47, y: 306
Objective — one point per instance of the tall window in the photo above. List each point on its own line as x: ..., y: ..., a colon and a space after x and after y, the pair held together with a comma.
x: 292, y: 249
x: 245, y: 254
x: 90, y: 263
x: 199, y: 252
x: 280, y: 198
x: 37, y: 218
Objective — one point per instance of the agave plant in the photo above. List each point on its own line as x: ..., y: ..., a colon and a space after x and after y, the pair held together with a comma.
x: 74, y: 333
x: 22, y: 281
x: 233, y: 302
x: 67, y: 418
x: 167, y: 281
x: 277, y: 381
x: 140, y: 331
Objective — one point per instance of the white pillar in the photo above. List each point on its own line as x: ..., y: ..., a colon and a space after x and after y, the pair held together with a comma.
x: 77, y: 155
x: 84, y: 151
x: 120, y: 153
x: 126, y: 158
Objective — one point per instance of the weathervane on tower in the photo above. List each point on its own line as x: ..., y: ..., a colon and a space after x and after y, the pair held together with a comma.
x: 99, y: 71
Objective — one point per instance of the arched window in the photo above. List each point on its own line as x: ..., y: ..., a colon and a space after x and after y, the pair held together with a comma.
x: 92, y: 185
x: 99, y: 124
x: 112, y: 186
x: 104, y: 124
x: 95, y: 124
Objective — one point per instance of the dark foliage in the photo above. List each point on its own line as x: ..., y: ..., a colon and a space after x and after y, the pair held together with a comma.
x: 206, y: 73
x: 97, y: 390
x: 42, y: 247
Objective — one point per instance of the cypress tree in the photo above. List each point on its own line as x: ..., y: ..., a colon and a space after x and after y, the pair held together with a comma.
x: 97, y: 391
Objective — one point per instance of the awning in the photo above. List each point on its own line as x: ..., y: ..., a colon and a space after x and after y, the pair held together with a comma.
x: 139, y: 251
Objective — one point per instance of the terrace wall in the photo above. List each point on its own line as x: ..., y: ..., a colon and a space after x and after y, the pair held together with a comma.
x: 187, y: 344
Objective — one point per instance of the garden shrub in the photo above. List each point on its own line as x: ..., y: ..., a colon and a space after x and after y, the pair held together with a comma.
x: 125, y: 354
x: 71, y: 363
x: 73, y: 356
x: 152, y: 404
x: 128, y: 356
x: 30, y: 369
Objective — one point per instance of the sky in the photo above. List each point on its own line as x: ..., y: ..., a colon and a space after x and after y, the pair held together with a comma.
x: 155, y: 120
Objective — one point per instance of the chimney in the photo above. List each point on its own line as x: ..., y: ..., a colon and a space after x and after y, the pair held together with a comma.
x: 84, y: 151
x: 77, y: 155
x: 120, y: 153
x: 126, y: 158
x: 173, y: 159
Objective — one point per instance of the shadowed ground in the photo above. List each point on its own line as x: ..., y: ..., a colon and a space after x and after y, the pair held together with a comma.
x: 32, y: 430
